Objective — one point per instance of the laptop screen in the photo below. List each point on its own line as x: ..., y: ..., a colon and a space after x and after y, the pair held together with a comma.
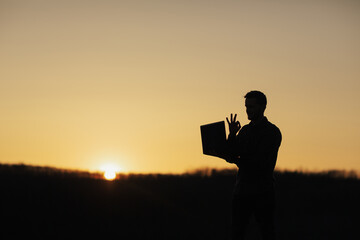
x: 213, y: 137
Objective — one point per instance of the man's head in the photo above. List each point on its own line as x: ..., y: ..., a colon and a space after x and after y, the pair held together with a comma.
x: 255, y: 103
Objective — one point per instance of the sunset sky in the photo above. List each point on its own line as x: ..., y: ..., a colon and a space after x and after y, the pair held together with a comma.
x: 87, y: 83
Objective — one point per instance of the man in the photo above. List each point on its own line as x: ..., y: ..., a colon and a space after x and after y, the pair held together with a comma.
x: 253, y: 148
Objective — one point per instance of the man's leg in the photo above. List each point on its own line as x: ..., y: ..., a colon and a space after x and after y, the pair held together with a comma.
x: 242, y: 208
x: 264, y: 214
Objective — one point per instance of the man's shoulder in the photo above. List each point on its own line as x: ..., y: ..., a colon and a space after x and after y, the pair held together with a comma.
x: 273, y: 130
x: 246, y: 126
x: 269, y: 126
x: 272, y: 126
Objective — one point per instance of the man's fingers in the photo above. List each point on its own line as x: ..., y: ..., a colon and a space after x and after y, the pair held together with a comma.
x: 232, y: 118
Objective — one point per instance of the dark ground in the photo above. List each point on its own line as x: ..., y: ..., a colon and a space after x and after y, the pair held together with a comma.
x: 45, y: 203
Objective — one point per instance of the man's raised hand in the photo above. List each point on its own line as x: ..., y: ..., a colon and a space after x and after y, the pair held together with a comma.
x: 234, y: 126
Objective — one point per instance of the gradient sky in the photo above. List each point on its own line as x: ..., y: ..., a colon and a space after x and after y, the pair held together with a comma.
x: 85, y: 83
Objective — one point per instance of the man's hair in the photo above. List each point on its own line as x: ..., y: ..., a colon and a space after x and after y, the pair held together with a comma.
x: 259, y: 96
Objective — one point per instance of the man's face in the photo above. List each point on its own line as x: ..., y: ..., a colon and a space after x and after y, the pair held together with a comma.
x: 253, y: 109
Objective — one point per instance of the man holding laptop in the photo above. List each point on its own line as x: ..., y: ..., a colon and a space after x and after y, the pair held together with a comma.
x: 253, y: 148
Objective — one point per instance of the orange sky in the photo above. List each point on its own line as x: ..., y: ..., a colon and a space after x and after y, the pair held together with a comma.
x: 89, y: 83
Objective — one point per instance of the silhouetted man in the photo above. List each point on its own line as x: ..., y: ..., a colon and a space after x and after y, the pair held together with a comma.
x: 253, y: 148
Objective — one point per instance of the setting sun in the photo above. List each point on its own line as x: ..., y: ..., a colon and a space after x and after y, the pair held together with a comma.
x: 110, y: 175
x: 110, y: 171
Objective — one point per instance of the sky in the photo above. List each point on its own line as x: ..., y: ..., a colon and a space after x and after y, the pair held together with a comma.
x: 89, y: 83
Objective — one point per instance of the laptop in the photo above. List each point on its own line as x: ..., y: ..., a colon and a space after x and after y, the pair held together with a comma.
x: 213, y: 137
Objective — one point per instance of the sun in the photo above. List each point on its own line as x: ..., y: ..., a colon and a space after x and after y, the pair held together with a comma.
x: 110, y: 175
x: 110, y: 171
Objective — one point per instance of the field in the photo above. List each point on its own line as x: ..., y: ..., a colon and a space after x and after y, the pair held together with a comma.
x: 46, y: 203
